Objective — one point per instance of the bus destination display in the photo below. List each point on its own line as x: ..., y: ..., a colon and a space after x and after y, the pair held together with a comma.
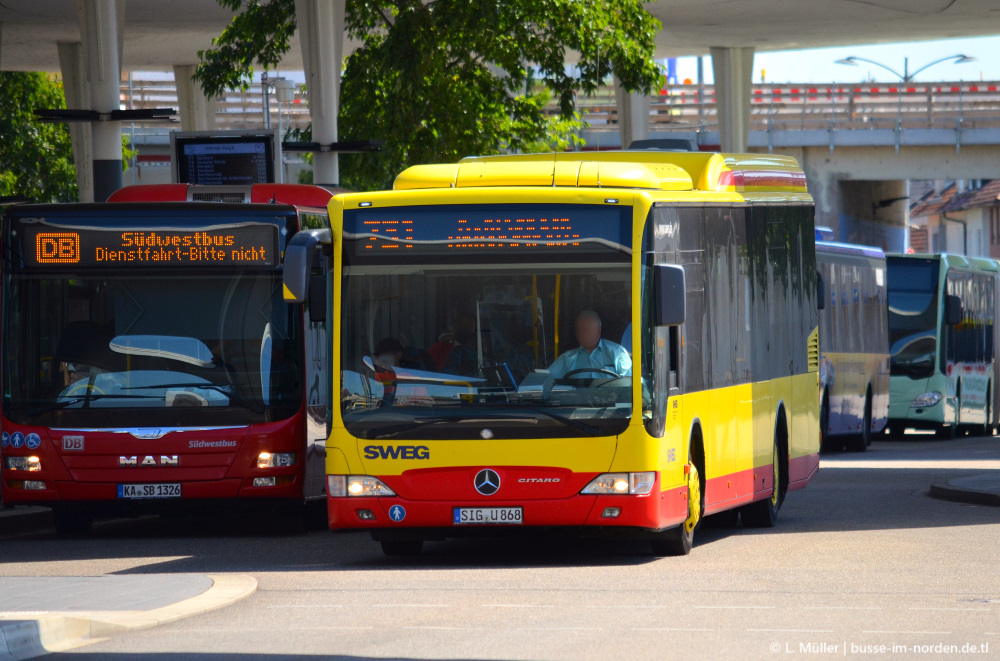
x: 502, y: 229
x: 248, y: 245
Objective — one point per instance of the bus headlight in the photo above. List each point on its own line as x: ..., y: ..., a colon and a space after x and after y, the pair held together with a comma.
x: 275, y: 460
x: 30, y: 464
x: 339, y: 486
x: 926, y: 399
x: 636, y: 484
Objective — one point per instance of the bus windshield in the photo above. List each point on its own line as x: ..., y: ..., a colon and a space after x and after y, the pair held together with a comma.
x: 107, y: 349
x: 913, y: 316
x: 477, y: 344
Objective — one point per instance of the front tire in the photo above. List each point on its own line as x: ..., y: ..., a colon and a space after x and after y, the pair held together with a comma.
x: 402, y: 548
x: 860, y: 442
x: 71, y: 522
x: 680, y: 539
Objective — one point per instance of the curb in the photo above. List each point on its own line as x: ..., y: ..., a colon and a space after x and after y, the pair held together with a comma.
x: 43, y: 633
x: 945, y: 491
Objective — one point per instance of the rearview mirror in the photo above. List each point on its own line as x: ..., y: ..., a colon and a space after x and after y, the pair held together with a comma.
x: 299, y: 255
x: 668, y: 295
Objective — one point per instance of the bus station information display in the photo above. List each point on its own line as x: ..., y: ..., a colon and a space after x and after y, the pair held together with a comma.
x: 500, y: 229
x: 228, y: 163
x: 247, y: 245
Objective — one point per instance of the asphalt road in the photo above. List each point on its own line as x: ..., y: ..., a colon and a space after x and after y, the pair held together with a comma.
x: 862, y: 564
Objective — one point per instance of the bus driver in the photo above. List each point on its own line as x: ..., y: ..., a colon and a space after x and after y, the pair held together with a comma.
x: 593, y: 352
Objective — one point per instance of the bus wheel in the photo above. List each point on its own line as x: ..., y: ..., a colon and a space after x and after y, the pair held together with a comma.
x: 71, y: 521
x: 860, y: 442
x: 946, y: 432
x: 988, y: 423
x: 402, y: 547
x: 764, y: 513
x: 680, y: 539
x: 826, y: 443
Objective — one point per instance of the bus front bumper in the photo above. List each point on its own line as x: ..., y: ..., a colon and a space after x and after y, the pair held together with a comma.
x: 656, y: 511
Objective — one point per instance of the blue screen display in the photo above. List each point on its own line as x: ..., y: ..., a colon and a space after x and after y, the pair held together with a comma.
x: 494, y: 229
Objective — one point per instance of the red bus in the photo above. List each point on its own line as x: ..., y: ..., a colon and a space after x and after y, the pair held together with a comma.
x: 150, y: 363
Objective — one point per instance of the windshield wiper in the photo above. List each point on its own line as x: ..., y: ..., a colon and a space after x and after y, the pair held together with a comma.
x: 384, y: 432
x: 569, y: 422
x: 55, y: 406
x: 232, y: 395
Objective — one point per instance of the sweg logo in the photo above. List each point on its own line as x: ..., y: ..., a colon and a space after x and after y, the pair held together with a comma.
x: 525, y: 480
x: 397, y: 452
x: 211, y: 444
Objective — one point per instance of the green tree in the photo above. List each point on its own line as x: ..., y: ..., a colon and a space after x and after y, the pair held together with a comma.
x: 441, y: 79
x: 36, y: 159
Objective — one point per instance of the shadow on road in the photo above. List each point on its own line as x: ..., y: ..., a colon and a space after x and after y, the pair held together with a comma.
x: 882, y: 489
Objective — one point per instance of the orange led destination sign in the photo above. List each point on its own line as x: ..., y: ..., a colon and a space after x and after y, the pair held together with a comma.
x: 246, y: 245
x: 500, y: 229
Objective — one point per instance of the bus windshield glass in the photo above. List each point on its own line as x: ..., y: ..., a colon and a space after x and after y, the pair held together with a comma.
x: 913, y: 316
x: 479, y: 337
x: 127, y: 345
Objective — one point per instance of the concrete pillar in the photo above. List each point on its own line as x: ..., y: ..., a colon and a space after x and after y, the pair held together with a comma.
x: 77, y: 93
x: 874, y: 213
x: 197, y: 110
x: 321, y: 32
x: 633, y: 115
x: 733, y: 69
x: 102, y: 24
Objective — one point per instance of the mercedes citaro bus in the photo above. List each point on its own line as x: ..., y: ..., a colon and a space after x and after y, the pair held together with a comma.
x: 459, y: 299
x: 943, y: 334
x: 150, y: 362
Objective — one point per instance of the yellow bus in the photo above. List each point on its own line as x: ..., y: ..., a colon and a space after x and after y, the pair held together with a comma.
x: 489, y: 318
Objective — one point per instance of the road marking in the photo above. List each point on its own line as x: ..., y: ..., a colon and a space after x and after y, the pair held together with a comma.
x: 555, y: 629
x: 842, y: 608
x: 931, y: 608
x: 739, y: 607
x: 938, y: 633
x: 516, y: 606
x: 668, y: 629
x: 791, y: 630
x: 327, y: 628
x: 304, y: 606
x: 408, y: 605
x: 446, y: 628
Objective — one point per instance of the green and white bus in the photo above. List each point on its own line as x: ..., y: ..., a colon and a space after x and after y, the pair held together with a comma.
x: 942, y: 339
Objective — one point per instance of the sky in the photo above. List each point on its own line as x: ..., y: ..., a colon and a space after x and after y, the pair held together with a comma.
x: 817, y: 65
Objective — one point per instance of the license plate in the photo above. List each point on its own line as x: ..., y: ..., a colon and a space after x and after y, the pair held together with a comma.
x: 149, y: 490
x: 488, y: 516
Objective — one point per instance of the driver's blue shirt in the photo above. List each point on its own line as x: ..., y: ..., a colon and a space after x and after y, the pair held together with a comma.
x: 606, y: 355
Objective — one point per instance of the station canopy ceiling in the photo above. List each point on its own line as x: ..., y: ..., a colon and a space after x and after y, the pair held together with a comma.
x: 160, y: 33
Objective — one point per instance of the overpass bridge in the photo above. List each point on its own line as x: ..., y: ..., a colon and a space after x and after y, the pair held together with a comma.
x: 859, y: 144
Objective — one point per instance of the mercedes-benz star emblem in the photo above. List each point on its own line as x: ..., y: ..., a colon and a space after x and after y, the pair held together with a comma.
x: 487, y: 482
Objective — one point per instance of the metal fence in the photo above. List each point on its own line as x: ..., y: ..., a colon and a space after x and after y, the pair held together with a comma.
x: 789, y: 107
x: 794, y: 107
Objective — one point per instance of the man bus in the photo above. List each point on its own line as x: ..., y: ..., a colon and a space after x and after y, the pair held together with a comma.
x: 150, y: 363
x: 853, y: 345
x: 705, y: 263
x: 942, y: 334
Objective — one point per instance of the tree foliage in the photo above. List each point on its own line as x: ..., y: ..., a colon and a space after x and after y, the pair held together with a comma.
x: 437, y: 80
x: 36, y: 159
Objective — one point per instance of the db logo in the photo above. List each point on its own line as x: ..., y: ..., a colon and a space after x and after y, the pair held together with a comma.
x: 57, y: 247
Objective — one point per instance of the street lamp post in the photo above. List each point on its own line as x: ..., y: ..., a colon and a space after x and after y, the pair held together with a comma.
x: 906, y: 76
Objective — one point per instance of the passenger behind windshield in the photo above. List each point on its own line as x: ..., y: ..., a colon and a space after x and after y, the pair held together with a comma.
x: 595, y: 356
